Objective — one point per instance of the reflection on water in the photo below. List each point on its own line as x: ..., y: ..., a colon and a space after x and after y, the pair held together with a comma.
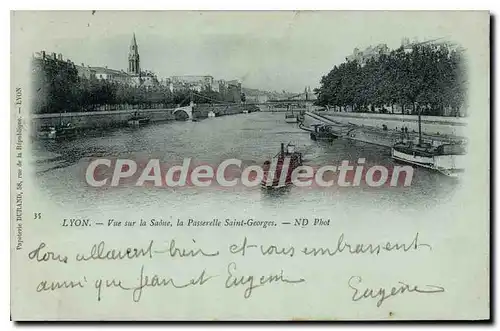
x: 252, y: 138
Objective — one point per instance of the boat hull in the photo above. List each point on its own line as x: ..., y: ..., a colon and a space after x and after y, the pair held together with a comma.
x: 449, y: 165
x: 137, y: 122
x: 56, y: 133
x: 275, y: 185
x: 47, y: 134
x: 426, y: 162
x: 322, y: 137
x: 281, y: 176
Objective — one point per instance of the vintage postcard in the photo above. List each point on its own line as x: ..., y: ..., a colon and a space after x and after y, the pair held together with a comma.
x: 281, y: 165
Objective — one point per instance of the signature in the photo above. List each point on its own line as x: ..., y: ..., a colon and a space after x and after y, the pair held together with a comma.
x: 381, y: 294
x: 251, y: 282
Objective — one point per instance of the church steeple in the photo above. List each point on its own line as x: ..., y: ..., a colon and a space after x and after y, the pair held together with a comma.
x: 133, y: 58
x: 134, y: 42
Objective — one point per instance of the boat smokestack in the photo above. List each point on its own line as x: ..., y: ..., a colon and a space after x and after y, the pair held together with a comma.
x: 282, y: 148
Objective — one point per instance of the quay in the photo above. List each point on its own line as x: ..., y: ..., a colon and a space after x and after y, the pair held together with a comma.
x: 369, y: 128
x: 117, y: 118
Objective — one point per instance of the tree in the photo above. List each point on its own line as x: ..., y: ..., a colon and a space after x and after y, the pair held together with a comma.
x: 428, y: 78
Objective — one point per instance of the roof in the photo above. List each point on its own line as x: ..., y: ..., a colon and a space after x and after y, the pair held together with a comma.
x: 109, y: 71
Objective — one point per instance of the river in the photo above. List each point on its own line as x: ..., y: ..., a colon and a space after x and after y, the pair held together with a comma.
x: 252, y: 138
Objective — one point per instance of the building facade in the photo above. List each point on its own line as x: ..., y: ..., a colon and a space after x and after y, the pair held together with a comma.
x: 112, y: 75
x: 233, y: 91
x: 191, y: 82
x: 134, y: 76
x: 261, y: 98
x: 371, y: 52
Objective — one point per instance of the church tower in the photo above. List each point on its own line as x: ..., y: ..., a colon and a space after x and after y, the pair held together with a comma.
x: 133, y: 58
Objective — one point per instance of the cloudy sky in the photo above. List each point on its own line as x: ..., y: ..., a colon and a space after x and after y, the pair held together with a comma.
x: 265, y: 50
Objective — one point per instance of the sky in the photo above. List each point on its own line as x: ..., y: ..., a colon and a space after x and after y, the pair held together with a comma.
x: 280, y: 50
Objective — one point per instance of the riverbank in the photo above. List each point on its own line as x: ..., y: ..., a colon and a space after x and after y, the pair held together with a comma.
x: 369, y: 129
x: 432, y: 125
x: 118, y: 118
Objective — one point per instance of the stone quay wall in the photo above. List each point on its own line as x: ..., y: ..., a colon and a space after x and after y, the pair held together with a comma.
x: 435, y: 125
x: 369, y: 130
x: 114, y: 118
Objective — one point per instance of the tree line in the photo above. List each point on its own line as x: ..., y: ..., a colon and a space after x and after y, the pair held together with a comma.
x: 429, y: 79
x: 58, y: 88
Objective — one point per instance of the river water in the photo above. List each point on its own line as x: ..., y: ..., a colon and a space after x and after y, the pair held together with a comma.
x: 252, y: 138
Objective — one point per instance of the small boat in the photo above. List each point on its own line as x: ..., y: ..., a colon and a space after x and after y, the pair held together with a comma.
x: 245, y: 111
x: 47, y: 132
x: 137, y: 120
x: 291, y: 118
x: 286, y: 160
x: 446, y: 158
x: 211, y: 113
x: 56, y: 131
x: 323, y: 132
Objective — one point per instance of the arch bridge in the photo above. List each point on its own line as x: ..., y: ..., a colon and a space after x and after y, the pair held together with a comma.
x: 188, y: 110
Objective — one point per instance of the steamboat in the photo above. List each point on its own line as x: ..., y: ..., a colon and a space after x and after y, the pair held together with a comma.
x: 278, y: 171
x: 446, y: 158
